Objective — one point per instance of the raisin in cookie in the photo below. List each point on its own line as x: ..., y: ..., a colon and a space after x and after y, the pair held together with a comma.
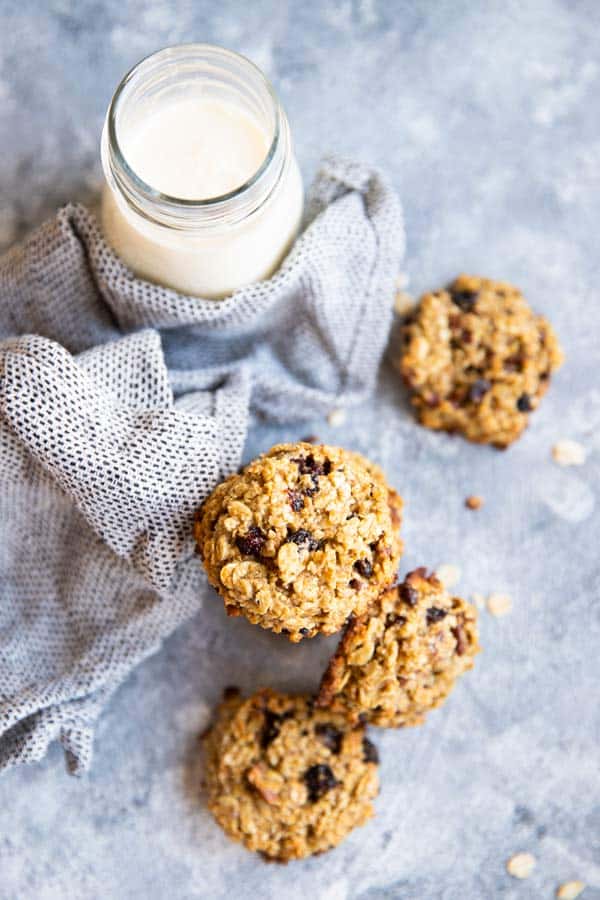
x: 302, y: 538
x: 402, y: 660
x: 286, y: 779
x: 477, y: 360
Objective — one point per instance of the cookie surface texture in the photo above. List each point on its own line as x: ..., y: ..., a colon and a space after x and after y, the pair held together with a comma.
x: 393, y: 666
x: 286, y: 779
x: 302, y: 538
x: 477, y: 360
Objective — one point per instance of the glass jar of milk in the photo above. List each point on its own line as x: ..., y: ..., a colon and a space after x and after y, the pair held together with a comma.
x: 203, y: 192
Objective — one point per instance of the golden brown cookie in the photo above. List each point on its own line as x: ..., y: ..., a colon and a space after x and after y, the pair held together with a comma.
x: 286, y: 779
x: 393, y: 666
x: 477, y: 360
x: 302, y: 538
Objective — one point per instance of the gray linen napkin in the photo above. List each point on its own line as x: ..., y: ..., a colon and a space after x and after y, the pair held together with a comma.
x: 102, y: 468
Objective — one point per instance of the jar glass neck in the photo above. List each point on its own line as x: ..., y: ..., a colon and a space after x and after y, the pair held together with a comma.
x: 169, y: 75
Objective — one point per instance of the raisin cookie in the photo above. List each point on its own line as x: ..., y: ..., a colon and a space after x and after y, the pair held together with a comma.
x: 302, y: 538
x: 286, y: 779
x: 394, y: 665
x: 477, y: 360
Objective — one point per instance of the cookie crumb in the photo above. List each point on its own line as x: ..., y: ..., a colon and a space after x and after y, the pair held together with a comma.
x: 478, y: 600
x: 570, y: 890
x: 474, y: 501
x: 568, y: 453
x: 499, y: 604
x: 521, y: 865
x: 336, y: 417
x: 403, y: 303
x: 448, y: 574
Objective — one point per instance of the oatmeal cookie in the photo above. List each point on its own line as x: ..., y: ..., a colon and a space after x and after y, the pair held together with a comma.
x: 286, y: 779
x: 477, y: 360
x: 394, y: 665
x: 303, y: 537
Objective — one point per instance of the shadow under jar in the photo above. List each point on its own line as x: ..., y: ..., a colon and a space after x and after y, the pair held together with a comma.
x: 203, y: 192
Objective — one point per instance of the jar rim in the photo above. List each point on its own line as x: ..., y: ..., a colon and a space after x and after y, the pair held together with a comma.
x: 169, y: 201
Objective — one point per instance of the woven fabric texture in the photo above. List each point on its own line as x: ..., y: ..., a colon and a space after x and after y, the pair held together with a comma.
x: 111, y: 434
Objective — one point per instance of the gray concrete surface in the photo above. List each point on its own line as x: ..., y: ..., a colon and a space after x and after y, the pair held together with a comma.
x: 486, y: 116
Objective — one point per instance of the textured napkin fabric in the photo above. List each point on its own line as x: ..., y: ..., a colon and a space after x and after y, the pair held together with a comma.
x: 106, y: 455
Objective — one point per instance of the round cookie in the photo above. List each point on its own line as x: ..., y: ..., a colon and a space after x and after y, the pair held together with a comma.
x: 302, y: 538
x: 286, y: 779
x: 477, y: 360
x: 393, y: 666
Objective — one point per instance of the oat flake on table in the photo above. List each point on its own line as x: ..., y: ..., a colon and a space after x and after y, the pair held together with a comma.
x: 499, y: 604
x: 570, y: 890
x: 448, y: 574
x: 568, y: 453
x: 336, y: 417
x: 521, y: 865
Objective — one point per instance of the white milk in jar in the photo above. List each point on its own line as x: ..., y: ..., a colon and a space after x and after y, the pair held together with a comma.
x: 203, y: 192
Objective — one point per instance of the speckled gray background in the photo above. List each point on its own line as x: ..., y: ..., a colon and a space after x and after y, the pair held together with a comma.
x: 486, y: 116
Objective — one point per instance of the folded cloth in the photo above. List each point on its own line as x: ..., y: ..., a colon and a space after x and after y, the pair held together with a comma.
x: 106, y: 455
x: 101, y: 473
x: 314, y: 332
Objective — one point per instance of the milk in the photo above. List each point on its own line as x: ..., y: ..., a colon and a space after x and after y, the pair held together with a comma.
x: 203, y: 191
x: 196, y: 148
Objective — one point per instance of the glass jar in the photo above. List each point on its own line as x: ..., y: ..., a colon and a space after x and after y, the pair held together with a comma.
x: 212, y: 245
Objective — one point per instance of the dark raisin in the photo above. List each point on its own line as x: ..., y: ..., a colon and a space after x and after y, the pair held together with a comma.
x: 394, y: 619
x: 311, y: 491
x: 524, y: 404
x: 319, y: 780
x: 304, y: 631
x: 466, y: 336
x: 272, y: 726
x: 330, y: 736
x: 461, y: 640
x: 309, y: 466
x: 464, y: 299
x: 304, y: 463
x: 370, y: 752
x: 252, y: 543
x: 355, y: 584
x: 513, y: 363
x: 408, y: 594
x: 479, y: 389
x: 296, y: 500
x: 364, y: 567
x: 230, y: 692
x: 435, y: 614
x: 303, y: 538
x: 270, y: 729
